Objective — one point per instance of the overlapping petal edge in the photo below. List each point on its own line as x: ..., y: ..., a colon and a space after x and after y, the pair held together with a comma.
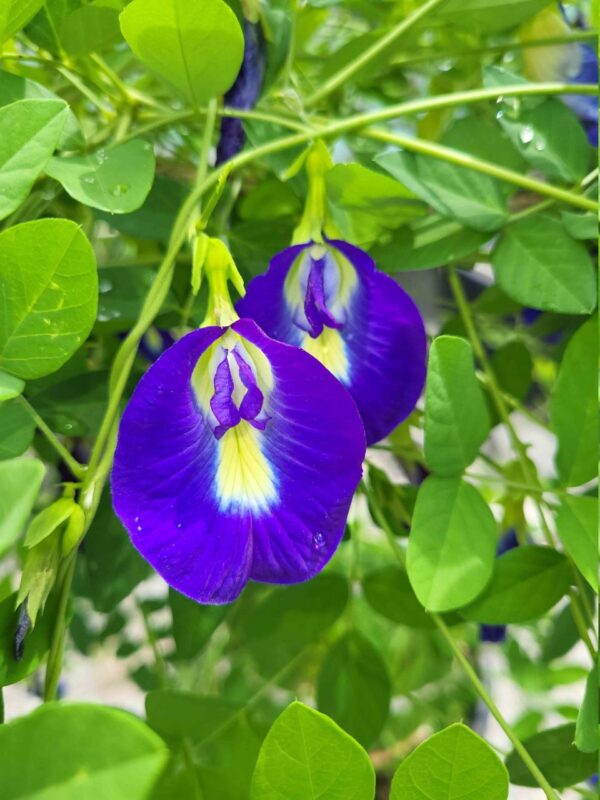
x: 382, y: 338
x: 167, y: 479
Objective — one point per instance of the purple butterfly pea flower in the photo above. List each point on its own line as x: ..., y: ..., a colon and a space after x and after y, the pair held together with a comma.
x: 330, y: 299
x: 237, y: 459
x: 244, y: 93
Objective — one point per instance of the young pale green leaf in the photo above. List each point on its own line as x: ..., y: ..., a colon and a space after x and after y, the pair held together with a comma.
x: 289, y: 619
x: 353, y: 687
x: 587, y: 733
x: 550, y: 139
x: 29, y: 133
x: 197, y: 45
x: 116, y: 180
x: 389, y: 592
x: 538, y: 264
x: 306, y: 756
x: 452, y: 544
x: 16, y: 429
x: 489, y: 16
x: 457, y: 421
x: 451, y: 765
x: 40, y: 571
x: 20, y: 481
x: 527, y: 582
x: 474, y: 199
x: 49, y: 285
x: 48, y: 520
x: 577, y: 523
x: 574, y: 407
x: 76, y: 756
x: 555, y: 754
x: 15, y: 14
x: 10, y: 386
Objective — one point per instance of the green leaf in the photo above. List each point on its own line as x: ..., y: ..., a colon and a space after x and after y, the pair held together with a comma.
x: 457, y: 421
x: 289, y: 619
x: 389, y: 592
x: 574, y: 407
x: 48, y: 520
x: 353, y: 687
x: 432, y: 241
x: 473, y: 199
x: 551, y: 140
x: 197, y: 45
x: 580, y: 226
x: 586, y: 729
x: 16, y: 429
x: 193, y: 624
x: 116, y: 180
x: 90, y: 29
x: 306, y: 756
x: 75, y: 754
x: 183, y: 715
x: 20, y: 481
x: 49, y: 285
x: 555, y: 754
x: 363, y: 203
x: 37, y: 641
x: 538, y: 264
x: 10, y: 386
x: 15, y: 14
x: 527, y: 582
x: 577, y: 523
x: 489, y: 16
x: 29, y: 133
x: 452, y: 544
x: 451, y: 765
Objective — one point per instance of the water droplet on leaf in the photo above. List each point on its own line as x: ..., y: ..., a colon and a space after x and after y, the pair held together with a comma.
x: 526, y: 134
x: 319, y: 541
x: 120, y: 189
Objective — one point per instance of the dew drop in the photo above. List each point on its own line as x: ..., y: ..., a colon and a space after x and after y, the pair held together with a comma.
x: 179, y: 525
x: 104, y: 285
x: 89, y: 179
x: 101, y: 156
x: 526, y: 134
x: 539, y: 144
x: 319, y: 541
x: 120, y: 189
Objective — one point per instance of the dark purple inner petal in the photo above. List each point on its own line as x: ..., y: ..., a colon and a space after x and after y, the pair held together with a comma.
x: 315, y: 302
x: 252, y: 401
x: 221, y: 403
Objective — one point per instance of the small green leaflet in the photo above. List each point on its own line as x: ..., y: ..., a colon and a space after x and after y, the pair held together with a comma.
x: 49, y: 291
x: 117, y: 179
x: 451, y: 765
x: 15, y: 14
x: 586, y: 730
x: 20, y: 481
x: 577, y: 523
x: 10, y: 386
x: 197, y: 45
x: 16, y: 429
x: 75, y: 754
x: 29, y: 133
x: 457, y: 421
x: 574, y: 407
x: 452, y: 544
x: 306, y: 756
x: 538, y: 264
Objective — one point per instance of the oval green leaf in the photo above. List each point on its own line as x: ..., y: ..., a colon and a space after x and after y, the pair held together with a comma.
x: 353, y: 687
x: 116, y: 180
x: 451, y: 765
x: 49, y: 286
x: 197, y: 45
x: 538, y: 264
x: 29, y: 133
x: 16, y: 429
x: 457, y: 421
x: 577, y: 523
x: 306, y: 756
x: 389, y: 592
x: 527, y: 582
x: 76, y: 754
x: 20, y: 481
x: 452, y: 544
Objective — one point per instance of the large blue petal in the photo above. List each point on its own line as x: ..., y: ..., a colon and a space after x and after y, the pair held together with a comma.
x: 382, y: 336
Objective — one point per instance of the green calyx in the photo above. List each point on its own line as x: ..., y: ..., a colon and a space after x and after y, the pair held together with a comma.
x: 315, y: 219
x: 214, y: 261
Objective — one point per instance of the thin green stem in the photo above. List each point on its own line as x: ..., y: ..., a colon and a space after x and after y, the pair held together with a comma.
x: 581, y: 624
x: 159, y: 661
x: 368, y: 55
x: 494, y: 710
x: 76, y: 468
x: 55, y: 654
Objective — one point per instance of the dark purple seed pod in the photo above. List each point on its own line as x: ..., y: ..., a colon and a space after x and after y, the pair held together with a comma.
x: 244, y: 93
